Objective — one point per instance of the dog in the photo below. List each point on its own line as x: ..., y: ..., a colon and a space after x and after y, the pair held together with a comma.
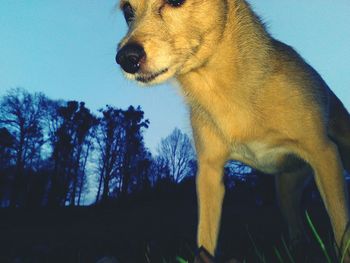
x: 251, y: 98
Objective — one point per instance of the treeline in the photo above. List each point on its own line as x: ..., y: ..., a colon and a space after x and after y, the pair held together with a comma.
x: 52, y: 153
x: 57, y: 153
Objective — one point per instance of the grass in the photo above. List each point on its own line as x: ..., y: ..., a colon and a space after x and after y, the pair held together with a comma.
x: 318, y: 238
x: 259, y: 254
x: 278, y: 255
x: 286, y: 255
x: 46, y: 236
x: 345, y: 250
x: 181, y: 260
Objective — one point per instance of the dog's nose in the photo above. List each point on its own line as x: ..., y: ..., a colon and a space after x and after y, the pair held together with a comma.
x: 129, y: 57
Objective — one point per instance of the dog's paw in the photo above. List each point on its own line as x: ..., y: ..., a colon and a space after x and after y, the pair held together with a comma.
x: 203, y: 256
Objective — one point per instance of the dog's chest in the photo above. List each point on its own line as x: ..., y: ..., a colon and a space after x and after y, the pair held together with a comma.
x: 240, y: 127
x: 232, y: 120
x: 262, y: 156
x: 234, y: 117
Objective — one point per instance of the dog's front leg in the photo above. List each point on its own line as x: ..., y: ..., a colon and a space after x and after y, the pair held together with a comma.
x: 212, y: 154
x: 210, y: 193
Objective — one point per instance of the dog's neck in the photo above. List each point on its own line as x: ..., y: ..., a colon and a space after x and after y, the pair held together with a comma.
x: 241, y: 52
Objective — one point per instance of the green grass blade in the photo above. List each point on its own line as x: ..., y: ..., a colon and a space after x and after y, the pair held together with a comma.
x: 278, y: 254
x: 181, y: 260
x: 287, y: 250
x: 257, y: 252
x: 345, y: 251
x: 319, y: 240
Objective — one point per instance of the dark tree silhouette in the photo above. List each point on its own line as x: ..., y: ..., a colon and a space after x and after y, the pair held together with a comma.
x: 109, y: 137
x: 236, y: 172
x: 159, y: 170
x: 6, y: 162
x: 53, y: 120
x: 134, y: 150
x: 84, y: 121
x: 7, y: 142
x: 123, y: 160
x: 140, y: 170
x: 22, y: 114
x: 70, y: 149
x: 178, y: 153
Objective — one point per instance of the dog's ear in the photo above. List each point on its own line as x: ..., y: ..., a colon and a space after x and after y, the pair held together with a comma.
x: 203, y: 256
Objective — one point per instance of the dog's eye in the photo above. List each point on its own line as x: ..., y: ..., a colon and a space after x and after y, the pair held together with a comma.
x: 129, y: 13
x: 175, y: 3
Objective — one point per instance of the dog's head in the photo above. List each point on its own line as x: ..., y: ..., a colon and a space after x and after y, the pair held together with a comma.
x: 167, y: 38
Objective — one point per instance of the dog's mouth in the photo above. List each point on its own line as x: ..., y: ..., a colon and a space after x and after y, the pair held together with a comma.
x: 148, y: 77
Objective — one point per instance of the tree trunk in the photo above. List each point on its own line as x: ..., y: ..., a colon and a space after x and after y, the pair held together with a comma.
x: 105, y: 192
x: 18, y: 178
x: 81, y: 186
x: 75, y: 177
x: 99, y: 187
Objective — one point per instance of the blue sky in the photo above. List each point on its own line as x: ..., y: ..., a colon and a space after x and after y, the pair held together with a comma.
x: 66, y: 49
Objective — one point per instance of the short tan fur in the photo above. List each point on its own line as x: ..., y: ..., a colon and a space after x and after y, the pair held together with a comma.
x: 251, y: 98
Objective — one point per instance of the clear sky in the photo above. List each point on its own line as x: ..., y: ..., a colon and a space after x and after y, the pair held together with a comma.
x: 66, y: 49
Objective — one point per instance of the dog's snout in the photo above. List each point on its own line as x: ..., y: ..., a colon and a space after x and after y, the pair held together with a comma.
x: 129, y: 57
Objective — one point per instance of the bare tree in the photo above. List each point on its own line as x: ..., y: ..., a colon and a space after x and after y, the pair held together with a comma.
x: 159, y: 170
x: 6, y: 162
x: 22, y: 114
x: 177, y: 151
x: 109, y: 137
x: 123, y: 159
x: 83, y: 122
x: 134, y: 150
x: 6, y: 148
x: 71, y: 142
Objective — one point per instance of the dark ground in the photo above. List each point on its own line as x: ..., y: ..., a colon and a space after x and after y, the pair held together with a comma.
x: 140, y: 231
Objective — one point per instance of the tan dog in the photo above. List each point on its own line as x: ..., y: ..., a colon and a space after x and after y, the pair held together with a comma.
x: 251, y: 98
